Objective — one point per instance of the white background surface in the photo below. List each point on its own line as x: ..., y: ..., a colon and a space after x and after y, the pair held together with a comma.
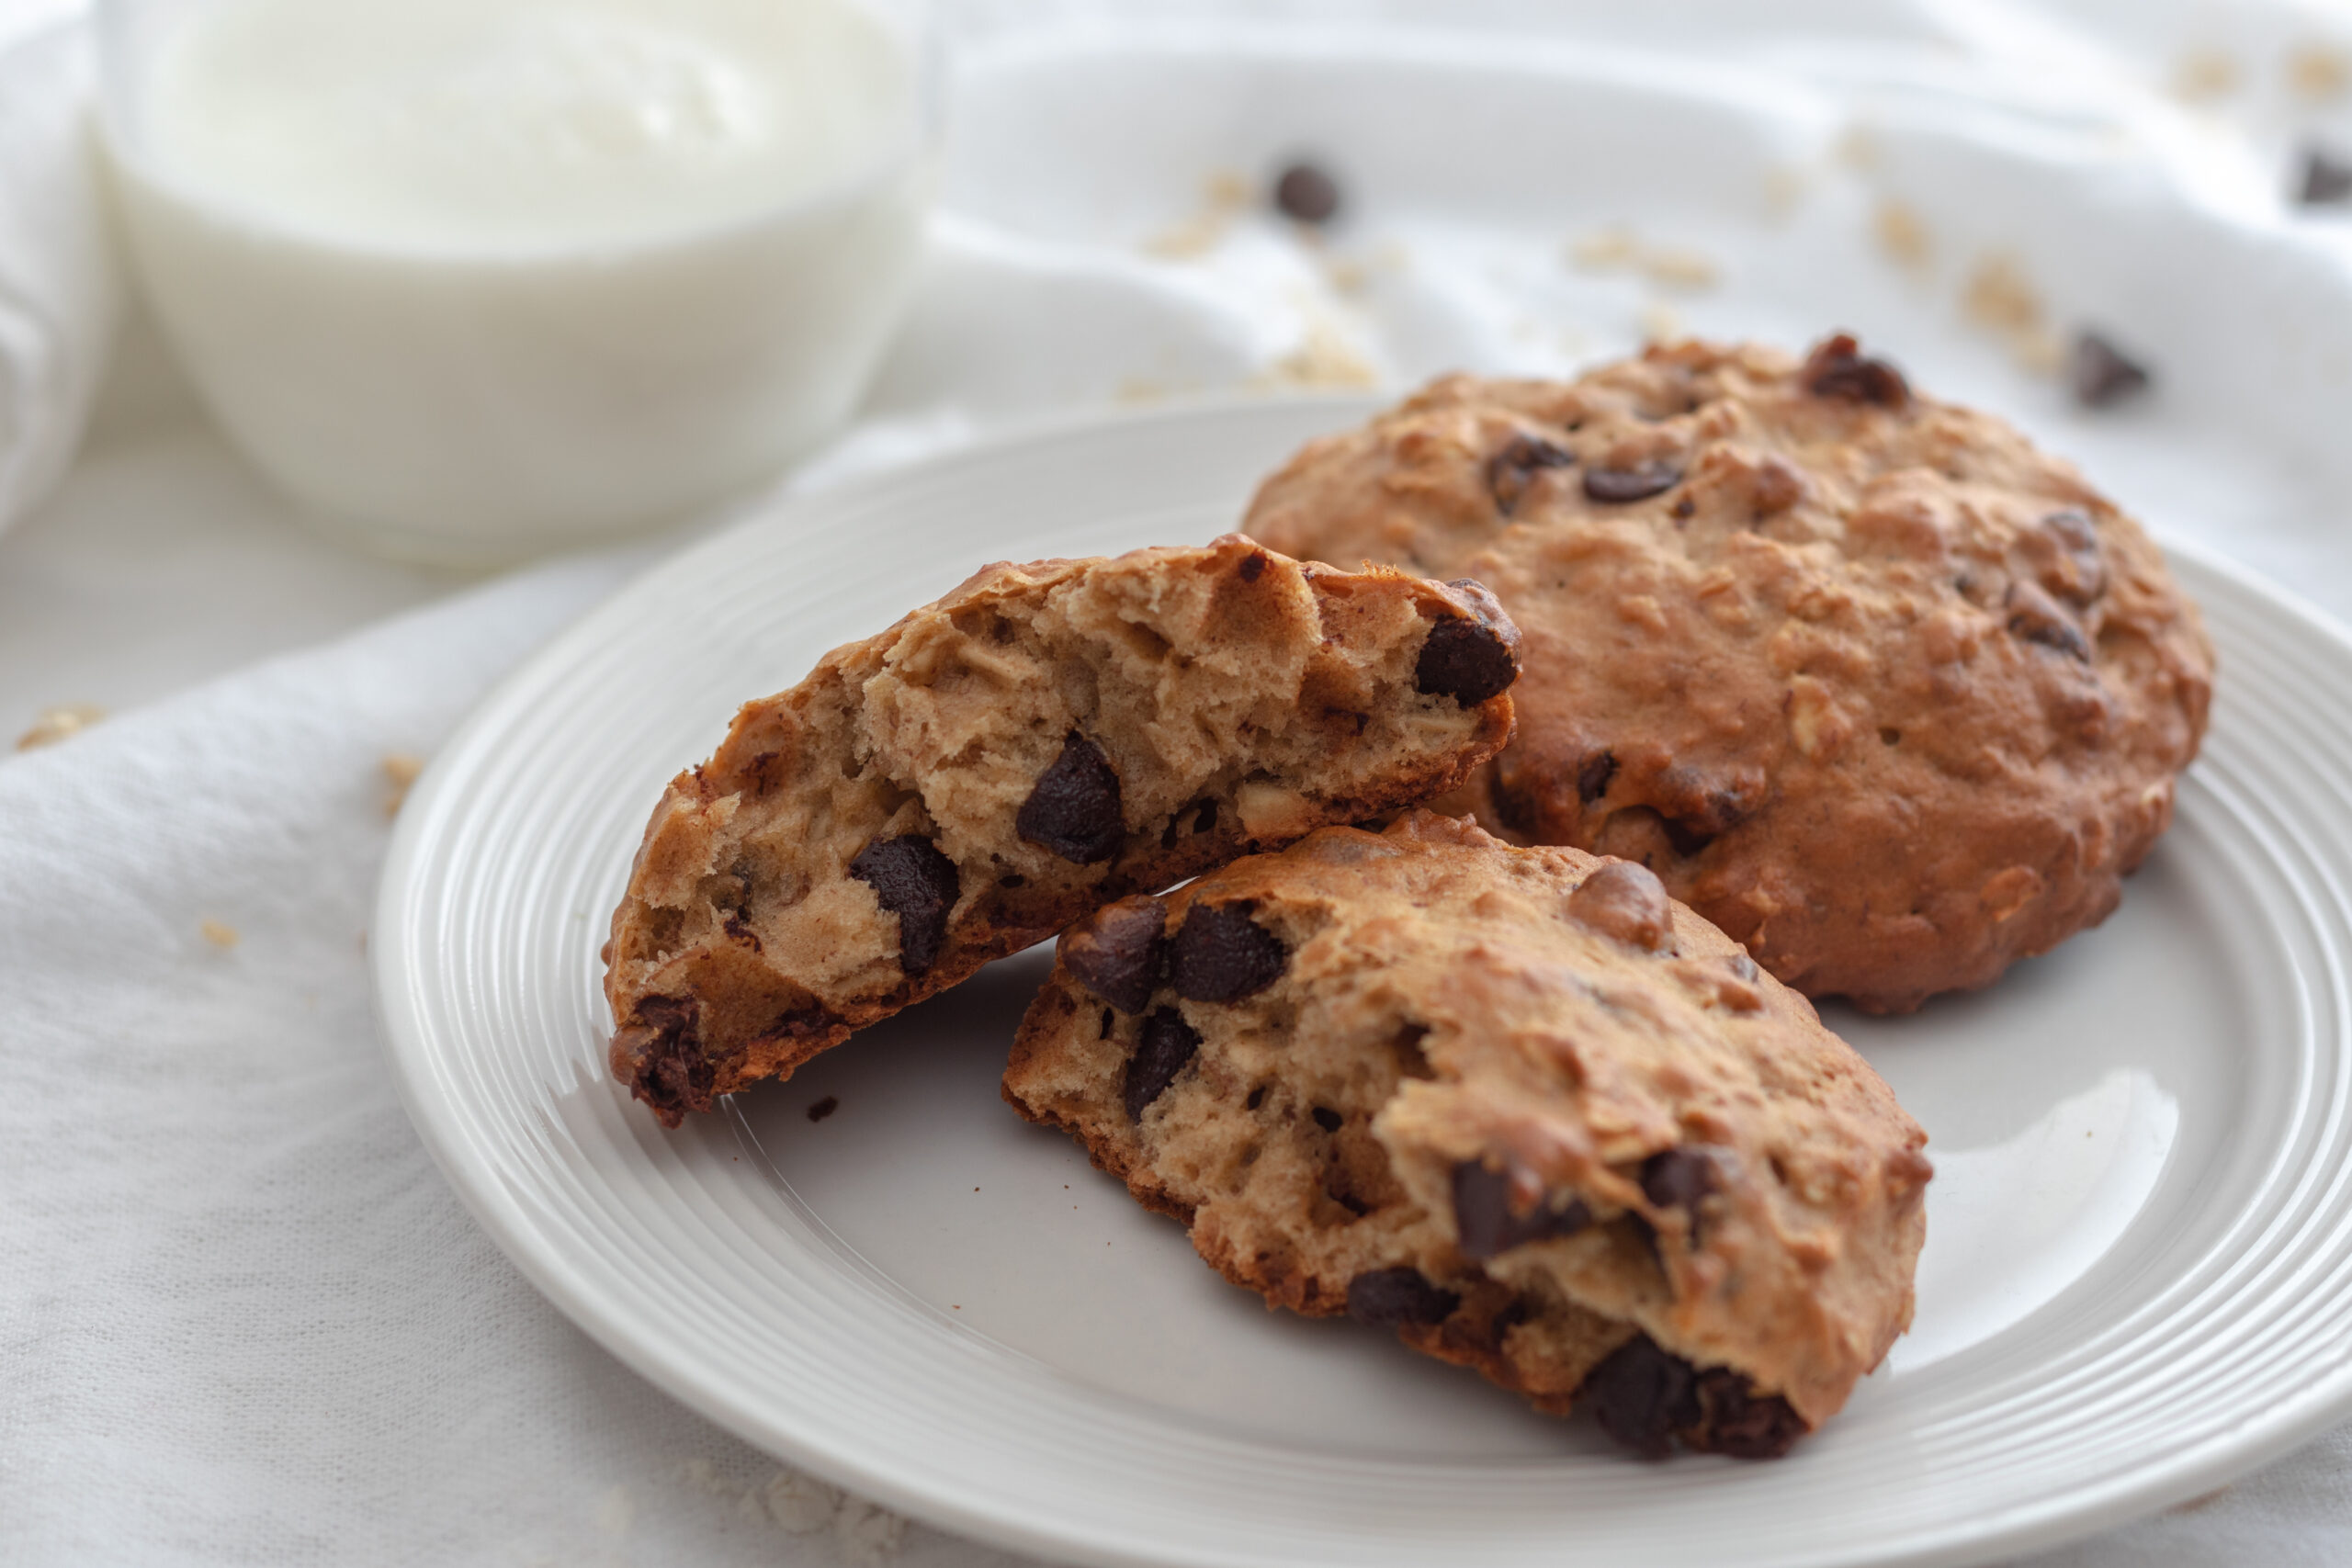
x: 242, y: 1319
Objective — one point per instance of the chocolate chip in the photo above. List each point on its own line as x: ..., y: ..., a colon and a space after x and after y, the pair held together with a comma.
x: 2102, y: 374
x: 1837, y: 368
x: 1221, y: 955
x: 1705, y: 803
x: 673, y: 1076
x: 1252, y: 567
x: 1737, y: 1421
x: 1513, y: 808
x: 2071, y: 564
x: 1472, y: 657
x: 1627, y: 903
x: 824, y: 1108
x: 1593, y: 775
x: 1166, y: 1045
x: 913, y: 881
x: 1686, y: 839
x: 1485, y: 1224
x: 1677, y: 1178
x: 1118, y: 952
x: 1643, y: 1395
x: 1074, y: 810
x: 2327, y: 181
x: 1511, y: 472
x: 1306, y: 194
x: 2035, y: 617
x: 1327, y: 1118
x: 1257, y: 1098
x: 1387, y: 1298
x: 1616, y: 485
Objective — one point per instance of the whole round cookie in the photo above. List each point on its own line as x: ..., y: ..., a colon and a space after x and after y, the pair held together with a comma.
x: 1874, y: 684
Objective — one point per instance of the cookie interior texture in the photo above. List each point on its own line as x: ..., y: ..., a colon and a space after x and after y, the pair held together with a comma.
x: 1889, y: 694
x: 1045, y: 737
x: 1513, y: 1102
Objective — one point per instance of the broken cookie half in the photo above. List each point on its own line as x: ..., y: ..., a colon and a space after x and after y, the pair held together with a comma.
x: 1515, y: 1103
x: 1045, y: 739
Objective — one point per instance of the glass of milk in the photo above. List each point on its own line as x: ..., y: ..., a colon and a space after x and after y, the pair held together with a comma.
x: 478, y: 278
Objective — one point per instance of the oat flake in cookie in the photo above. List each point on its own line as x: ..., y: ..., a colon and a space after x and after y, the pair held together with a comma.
x: 1042, y: 740
x: 1513, y: 1102
x: 1889, y: 694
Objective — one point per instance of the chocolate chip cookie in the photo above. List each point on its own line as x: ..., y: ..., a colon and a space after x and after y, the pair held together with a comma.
x: 1044, y: 739
x: 1881, y: 689
x: 1514, y: 1102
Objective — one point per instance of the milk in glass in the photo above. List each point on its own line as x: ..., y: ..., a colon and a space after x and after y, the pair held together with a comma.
x: 474, y: 277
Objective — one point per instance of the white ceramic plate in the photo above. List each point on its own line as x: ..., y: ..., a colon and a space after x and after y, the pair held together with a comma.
x: 2138, y: 1280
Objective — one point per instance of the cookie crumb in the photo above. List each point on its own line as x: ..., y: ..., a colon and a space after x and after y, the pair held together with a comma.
x: 1784, y: 190
x: 52, y: 724
x: 1606, y: 251
x: 220, y: 933
x: 401, y: 771
x: 1347, y: 277
x: 1323, y: 358
x: 1225, y: 195
x: 1857, y: 148
x: 867, y: 1534
x: 2317, y: 72
x: 800, y: 1505
x: 2204, y: 75
x: 2000, y: 298
x: 1659, y: 322
x: 825, y: 1108
x: 1685, y: 271
x: 1902, y: 235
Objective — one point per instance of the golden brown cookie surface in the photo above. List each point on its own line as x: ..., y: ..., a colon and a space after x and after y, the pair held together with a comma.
x: 1884, y: 692
x: 1042, y: 740
x: 1512, y: 1102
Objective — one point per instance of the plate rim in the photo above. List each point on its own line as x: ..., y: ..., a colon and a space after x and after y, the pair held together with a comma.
x: 2326, y: 1400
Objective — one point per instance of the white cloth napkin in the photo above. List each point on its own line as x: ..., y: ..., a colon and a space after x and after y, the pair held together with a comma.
x: 58, y: 291
x: 242, y: 1319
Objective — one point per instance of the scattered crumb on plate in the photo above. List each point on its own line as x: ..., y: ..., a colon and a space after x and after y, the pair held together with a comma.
x: 220, y: 933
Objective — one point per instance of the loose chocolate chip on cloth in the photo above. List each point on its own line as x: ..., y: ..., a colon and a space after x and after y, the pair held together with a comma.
x: 1888, y: 694
x: 1046, y: 740
x: 1519, y: 1106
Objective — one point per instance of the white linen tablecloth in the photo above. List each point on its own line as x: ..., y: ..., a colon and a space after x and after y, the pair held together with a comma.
x: 242, y: 1319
